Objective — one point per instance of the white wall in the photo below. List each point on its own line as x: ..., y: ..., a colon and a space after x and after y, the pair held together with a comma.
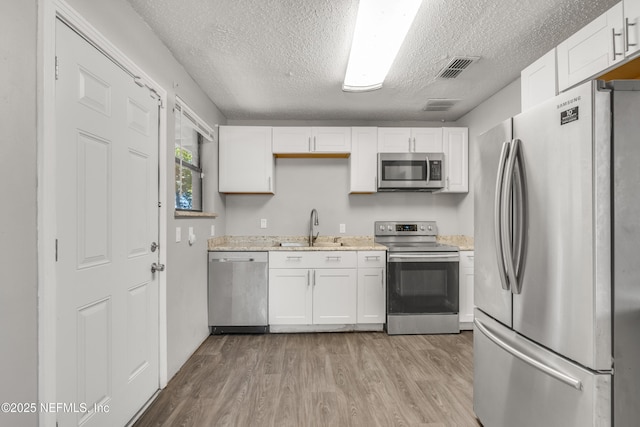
x: 18, y: 255
x: 186, y: 265
x: 501, y: 106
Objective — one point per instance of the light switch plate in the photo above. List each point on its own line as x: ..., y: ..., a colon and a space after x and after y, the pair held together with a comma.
x: 343, y: 228
x: 178, y: 234
x: 263, y: 223
x: 213, y: 230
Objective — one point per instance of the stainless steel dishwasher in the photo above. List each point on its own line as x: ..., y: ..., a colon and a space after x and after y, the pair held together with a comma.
x: 238, y: 292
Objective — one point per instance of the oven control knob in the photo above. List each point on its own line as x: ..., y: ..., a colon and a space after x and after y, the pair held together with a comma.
x: 422, y: 228
x: 389, y: 228
x: 430, y: 228
x: 382, y: 228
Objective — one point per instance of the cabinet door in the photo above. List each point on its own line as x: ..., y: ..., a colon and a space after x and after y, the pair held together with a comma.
x: 290, y: 296
x: 426, y: 140
x: 591, y: 50
x: 466, y: 287
x: 456, y: 156
x: 539, y: 81
x: 632, y: 26
x: 246, y: 160
x: 334, y: 296
x: 371, y: 295
x: 394, y: 140
x: 331, y: 139
x: 291, y: 140
x: 363, y: 161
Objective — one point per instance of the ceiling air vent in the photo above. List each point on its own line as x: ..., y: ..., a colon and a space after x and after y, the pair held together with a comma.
x: 440, y: 104
x: 456, y: 66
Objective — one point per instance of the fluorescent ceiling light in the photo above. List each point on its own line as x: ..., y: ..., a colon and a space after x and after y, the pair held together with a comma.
x: 381, y: 27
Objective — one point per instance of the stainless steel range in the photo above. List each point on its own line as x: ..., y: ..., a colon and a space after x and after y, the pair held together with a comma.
x: 422, y: 278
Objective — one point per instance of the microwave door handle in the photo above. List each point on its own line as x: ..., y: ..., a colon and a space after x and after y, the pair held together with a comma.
x: 505, y: 211
x: 428, y: 169
x: 497, y: 218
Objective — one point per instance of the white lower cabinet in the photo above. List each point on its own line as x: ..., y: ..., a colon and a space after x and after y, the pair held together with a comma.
x: 371, y: 287
x: 326, y: 287
x: 466, y: 290
x: 334, y: 296
x: 290, y: 297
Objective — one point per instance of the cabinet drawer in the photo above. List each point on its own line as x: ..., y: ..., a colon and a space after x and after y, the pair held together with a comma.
x: 466, y: 259
x: 291, y: 259
x: 335, y: 259
x: 373, y: 259
x: 313, y: 259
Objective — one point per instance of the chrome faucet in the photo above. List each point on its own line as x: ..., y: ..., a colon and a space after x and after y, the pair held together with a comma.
x: 313, y: 220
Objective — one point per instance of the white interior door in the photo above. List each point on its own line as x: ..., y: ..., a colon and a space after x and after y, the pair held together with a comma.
x: 107, y: 218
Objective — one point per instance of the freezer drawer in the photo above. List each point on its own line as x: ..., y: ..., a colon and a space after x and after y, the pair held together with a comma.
x: 518, y: 383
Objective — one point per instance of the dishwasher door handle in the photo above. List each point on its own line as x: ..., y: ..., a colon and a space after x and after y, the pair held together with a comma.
x: 233, y: 260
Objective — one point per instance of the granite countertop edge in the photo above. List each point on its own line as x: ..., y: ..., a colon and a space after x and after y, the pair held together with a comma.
x: 351, y: 243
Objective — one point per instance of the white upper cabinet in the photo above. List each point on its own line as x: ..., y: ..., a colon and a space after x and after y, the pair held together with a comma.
x: 246, y: 161
x: 308, y: 140
x: 631, y: 26
x: 410, y: 140
x: 363, y: 161
x: 456, y: 156
x: 291, y: 139
x: 593, y: 49
x: 539, y: 81
x: 394, y: 140
x: 427, y: 140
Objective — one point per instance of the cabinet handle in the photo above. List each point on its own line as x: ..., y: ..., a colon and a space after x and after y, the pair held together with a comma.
x: 294, y: 258
x: 628, y: 24
x: 370, y: 257
x: 308, y: 277
x: 382, y: 278
x: 409, y: 144
x: 269, y: 183
x: 309, y: 143
x: 337, y: 258
x: 314, y: 278
x: 615, y: 54
x: 315, y: 147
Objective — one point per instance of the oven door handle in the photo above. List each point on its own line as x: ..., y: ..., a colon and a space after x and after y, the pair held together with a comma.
x: 405, y: 257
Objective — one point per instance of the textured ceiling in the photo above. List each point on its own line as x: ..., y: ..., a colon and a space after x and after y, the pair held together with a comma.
x: 286, y: 59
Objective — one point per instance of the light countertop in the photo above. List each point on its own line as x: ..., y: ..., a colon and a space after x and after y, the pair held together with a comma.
x: 324, y: 243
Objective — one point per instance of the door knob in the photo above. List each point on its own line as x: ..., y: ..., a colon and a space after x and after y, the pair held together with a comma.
x: 154, y: 246
x: 157, y: 267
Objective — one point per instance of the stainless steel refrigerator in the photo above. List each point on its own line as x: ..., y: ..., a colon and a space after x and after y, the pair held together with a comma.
x: 557, y: 263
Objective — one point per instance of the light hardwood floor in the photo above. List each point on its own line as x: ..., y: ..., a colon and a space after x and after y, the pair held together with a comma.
x: 323, y: 379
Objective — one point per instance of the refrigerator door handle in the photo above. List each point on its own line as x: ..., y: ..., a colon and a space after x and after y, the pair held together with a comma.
x: 505, y: 211
x: 497, y: 218
x: 537, y: 364
x: 520, y: 220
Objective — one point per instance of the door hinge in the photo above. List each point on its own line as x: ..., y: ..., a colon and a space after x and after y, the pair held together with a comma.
x: 56, y: 250
x: 159, y: 204
x: 57, y: 69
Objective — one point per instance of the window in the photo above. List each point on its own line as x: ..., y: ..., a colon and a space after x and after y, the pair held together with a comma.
x: 190, y: 134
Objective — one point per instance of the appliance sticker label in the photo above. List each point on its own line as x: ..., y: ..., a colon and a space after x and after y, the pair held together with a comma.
x: 568, y: 116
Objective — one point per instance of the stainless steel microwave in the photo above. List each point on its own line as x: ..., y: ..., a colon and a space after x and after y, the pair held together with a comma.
x: 410, y: 171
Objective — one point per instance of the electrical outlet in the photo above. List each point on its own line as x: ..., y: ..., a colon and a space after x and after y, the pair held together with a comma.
x: 263, y: 223
x: 213, y: 230
x: 343, y: 228
x: 178, y: 234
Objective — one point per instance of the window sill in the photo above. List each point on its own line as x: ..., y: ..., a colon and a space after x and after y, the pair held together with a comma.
x: 189, y: 214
